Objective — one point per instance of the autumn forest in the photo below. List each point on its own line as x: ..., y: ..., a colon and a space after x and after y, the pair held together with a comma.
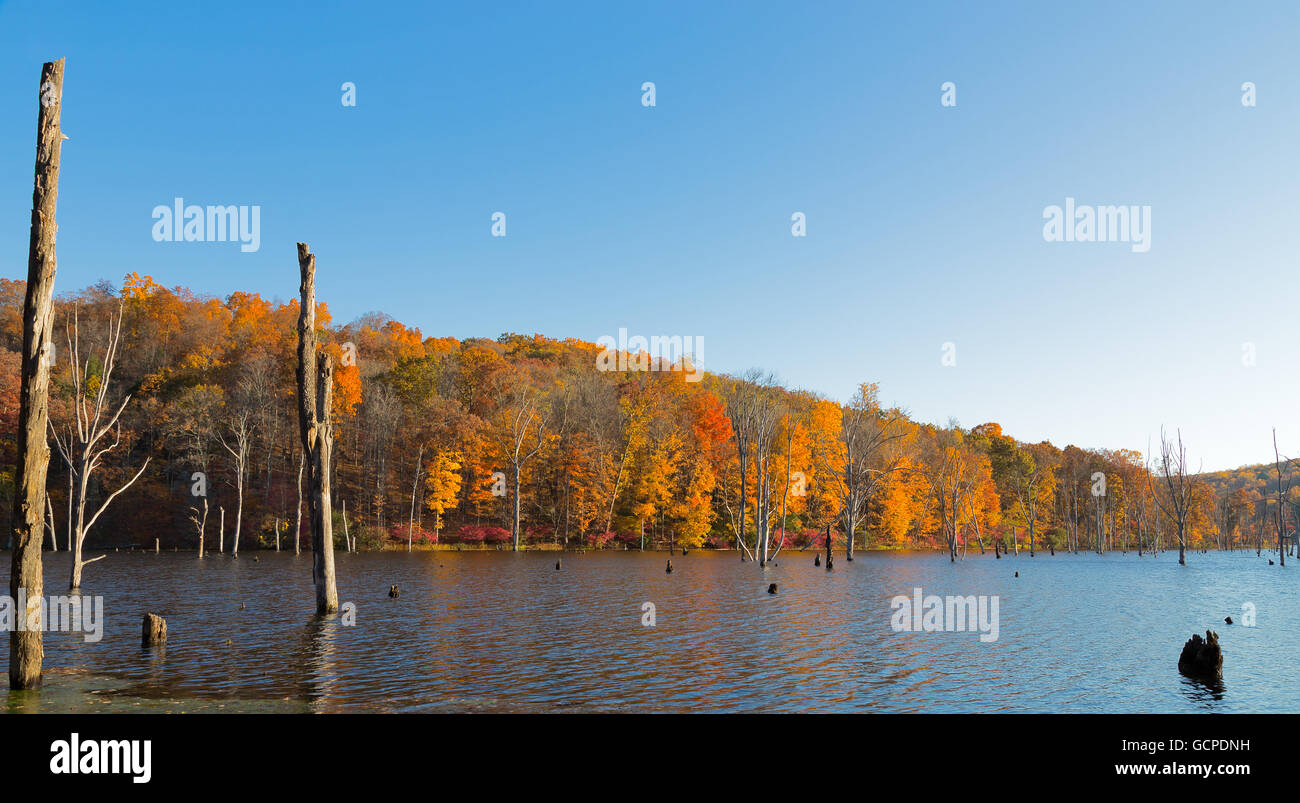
x: 521, y: 442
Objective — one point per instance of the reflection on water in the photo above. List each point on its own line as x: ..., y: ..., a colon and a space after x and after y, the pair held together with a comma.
x: 488, y: 631
x: 1205, y: 692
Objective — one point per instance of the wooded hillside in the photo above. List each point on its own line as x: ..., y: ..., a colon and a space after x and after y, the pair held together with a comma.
x: 436, y: 439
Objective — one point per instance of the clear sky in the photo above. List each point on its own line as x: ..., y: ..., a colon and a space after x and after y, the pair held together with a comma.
x: 924, y: 222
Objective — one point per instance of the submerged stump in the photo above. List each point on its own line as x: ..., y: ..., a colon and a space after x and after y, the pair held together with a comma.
x: 1202, y: 658
x: 153, y: 630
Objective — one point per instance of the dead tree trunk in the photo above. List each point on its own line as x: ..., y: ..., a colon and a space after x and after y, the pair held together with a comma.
x: 239, y: 517
x: 346, y: 539
x: 297, y: 524
x: 94, y: 420
x: 33, y: 459
x: 221, y: 534
x: 315, y: 396
x: 415, y: 486
x: 1281, y: 503
x: 69, y: 507
x: 54, y: 541
x: 200, y: 521
x: 242, y: 435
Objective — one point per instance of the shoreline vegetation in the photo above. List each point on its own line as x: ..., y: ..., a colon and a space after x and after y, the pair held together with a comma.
x: 809, y: 550
x: 522, y: 440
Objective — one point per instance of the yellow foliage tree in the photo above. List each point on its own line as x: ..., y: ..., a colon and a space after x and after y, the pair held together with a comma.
x: 442, y: 485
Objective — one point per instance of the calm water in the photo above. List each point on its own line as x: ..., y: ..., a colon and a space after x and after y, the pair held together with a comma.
x: 487, y: 631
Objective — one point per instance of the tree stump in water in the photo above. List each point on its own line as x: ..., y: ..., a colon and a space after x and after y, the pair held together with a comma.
x: 817, y: 560
x: 394, y: 592
x: 669, y: 569
x: 153, y: 630
x: 1202, y: 658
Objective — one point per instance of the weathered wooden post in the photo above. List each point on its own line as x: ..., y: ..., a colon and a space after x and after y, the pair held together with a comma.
x: 315, y: 397
x: 153, y: 630
x: 157, y: 545
x: 33, y: 458
x: 221, y: 537
x: 277, y: 533
x: 830, y: 559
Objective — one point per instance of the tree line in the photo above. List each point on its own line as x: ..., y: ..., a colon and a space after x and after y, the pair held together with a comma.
x: 185, y: 404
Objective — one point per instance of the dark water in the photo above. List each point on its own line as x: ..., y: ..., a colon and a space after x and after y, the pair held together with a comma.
x: 487, y: 631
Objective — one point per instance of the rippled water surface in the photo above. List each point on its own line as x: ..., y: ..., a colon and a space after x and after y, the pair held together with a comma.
x: 488, y: 631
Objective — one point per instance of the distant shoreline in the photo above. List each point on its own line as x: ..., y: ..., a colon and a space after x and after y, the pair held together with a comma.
x: 675, y: 551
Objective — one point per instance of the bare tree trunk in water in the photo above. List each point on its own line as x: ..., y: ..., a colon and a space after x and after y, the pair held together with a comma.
x: 785, y: 494
x: 297, y: 524
x: 33, y: 456
x: 239, y: 513
x: 1173, y: 469
x: 415, y: 486
x: 94, y: 420
x: 200, y: 520
x: 346, y: 539
x: 315, y: 396
x: 49, y: 508
x: 221, y: 536
x: 567, y: 485
x: 514, y: 507
x: 1281, y: 503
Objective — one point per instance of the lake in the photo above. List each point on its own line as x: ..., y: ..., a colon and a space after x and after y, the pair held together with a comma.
x: 502, y: 632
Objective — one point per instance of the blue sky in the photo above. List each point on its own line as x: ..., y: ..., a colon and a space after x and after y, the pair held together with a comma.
x: 924, y: 222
